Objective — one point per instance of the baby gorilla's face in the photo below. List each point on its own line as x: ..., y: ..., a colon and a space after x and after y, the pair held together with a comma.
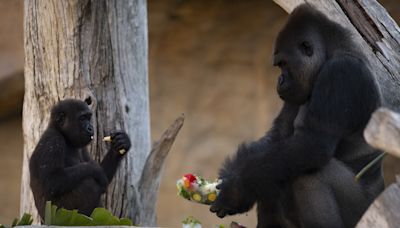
x: 75, y: 122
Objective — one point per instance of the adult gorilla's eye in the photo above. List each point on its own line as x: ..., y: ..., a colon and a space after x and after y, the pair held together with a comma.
x: 306, y: 48
x: 82, y: 118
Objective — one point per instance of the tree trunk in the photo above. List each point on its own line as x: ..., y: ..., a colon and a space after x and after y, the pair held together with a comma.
x: 375, y: 31
x: 98, y: 50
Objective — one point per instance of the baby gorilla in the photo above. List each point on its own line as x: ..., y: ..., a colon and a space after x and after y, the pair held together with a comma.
x: 61, y: 169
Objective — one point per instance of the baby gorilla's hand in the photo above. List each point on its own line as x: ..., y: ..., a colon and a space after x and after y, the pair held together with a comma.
x: 120, y: 142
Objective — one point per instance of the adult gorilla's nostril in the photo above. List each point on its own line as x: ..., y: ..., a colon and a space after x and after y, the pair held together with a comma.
x: 281, y: 80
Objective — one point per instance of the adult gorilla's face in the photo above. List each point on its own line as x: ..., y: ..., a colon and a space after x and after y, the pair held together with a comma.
x: 299, y: 53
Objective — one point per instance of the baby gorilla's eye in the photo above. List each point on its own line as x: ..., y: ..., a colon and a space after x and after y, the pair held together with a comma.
x: 85, y: 117
x: 306, y: 48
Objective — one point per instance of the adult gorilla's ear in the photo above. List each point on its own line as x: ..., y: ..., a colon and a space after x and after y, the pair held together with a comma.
x: 60, y: 119
x: 306, y: 48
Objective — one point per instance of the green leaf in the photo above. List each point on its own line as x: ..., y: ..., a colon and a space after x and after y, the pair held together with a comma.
x: 82, y: 220
x: 184, y: 194
x: 47, y: 214
x: 53, y: 214
x: 101, y: 216
x: 15, y: 222
x: 2, y: 226
x: 26, y: 220
x: 125, y: 222
x: 62, y: 217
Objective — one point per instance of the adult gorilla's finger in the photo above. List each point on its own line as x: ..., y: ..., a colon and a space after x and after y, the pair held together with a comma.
x: 215, y: 208
x: 221, y: 213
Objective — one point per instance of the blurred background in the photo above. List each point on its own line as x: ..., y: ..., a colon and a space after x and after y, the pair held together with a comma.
x: 209, y: 59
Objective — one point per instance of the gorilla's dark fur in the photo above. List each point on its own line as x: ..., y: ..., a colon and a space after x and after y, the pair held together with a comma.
x: 61, y: 169
x: 301, y: 173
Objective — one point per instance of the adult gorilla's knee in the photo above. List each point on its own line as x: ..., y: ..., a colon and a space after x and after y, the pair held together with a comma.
x: 315, y: 202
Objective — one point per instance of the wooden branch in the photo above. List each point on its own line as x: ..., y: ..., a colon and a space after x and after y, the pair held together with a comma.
x: 150, y: 179
x: 383, y: 131
x: 383, y: 213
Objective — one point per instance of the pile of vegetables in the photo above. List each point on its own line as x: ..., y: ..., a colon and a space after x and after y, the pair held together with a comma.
x: 195, y: 188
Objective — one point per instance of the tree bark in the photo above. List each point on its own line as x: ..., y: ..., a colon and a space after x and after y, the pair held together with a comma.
x: 384, y: 212
x: 92, y: 49
x: 376, y: 33
x: 383, y: 131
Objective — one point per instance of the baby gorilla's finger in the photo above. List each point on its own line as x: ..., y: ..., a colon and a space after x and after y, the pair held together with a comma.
x: 121, y: 144
x: 121, y: 136
x: 115, y: 133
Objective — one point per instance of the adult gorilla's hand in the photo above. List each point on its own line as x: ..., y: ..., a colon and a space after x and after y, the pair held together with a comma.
x: 231, y: 199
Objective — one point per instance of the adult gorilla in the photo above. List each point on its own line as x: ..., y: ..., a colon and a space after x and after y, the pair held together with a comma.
x: 301, y: 173
x: 61, y: 169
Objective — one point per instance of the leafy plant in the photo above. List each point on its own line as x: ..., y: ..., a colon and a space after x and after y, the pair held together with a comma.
x: 99, y: 217
x: 25, y: 220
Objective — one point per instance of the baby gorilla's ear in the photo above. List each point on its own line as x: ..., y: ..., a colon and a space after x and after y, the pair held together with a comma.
x: 60, y: 118
x: 88, y: 101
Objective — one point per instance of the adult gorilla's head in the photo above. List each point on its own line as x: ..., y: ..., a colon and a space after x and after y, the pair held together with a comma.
x: 301, y: 49
x: 72, y: 118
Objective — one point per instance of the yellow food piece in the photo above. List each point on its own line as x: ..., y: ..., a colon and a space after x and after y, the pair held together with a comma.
x: 196, y: 197
x: 211, y: 197
x: 107, y: 139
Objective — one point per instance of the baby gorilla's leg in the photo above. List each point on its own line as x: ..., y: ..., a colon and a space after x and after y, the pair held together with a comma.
x: 85, y: 197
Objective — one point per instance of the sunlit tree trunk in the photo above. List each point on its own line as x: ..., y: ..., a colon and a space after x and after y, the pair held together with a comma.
x: 92, y: 49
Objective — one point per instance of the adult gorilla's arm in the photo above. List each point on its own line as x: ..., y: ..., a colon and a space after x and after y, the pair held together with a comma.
x: 343, y: 98
x: 282, y: 127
